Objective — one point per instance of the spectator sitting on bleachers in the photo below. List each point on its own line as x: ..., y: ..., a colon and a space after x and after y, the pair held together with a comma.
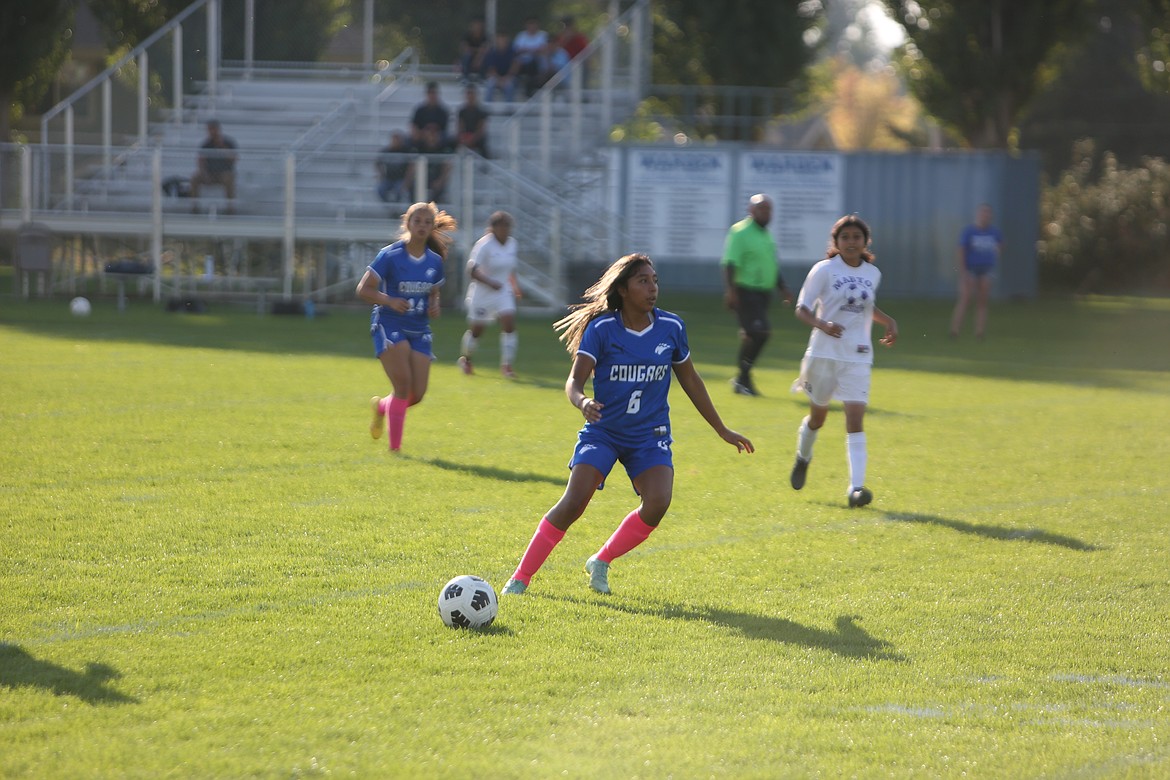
x: 558, y: 58
x: 471, y: 123
x: 572, y: 40
x: 430, y: 112
x: 429, y: 146
x: 501, y: 66
x: 472, y: 49
x: 392, y: 165
x: 216, y: 163
x: 564, y: 48
x: 531, y: 45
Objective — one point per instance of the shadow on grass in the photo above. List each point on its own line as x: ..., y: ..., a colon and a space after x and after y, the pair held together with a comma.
x: 490, y: 472
x: 19, y: 669
x: 997, y: 532
x: 495, y: 629
x: 847, y: 639
x: 544, y: 384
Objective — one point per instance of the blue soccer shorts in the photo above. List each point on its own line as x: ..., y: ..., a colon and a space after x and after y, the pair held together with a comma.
x: 601, y: 450
x: 420, y: 341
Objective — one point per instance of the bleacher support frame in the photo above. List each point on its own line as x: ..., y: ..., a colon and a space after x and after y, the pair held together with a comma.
x: 113, y: 187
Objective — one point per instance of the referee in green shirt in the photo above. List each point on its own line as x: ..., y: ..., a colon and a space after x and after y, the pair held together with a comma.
x: 751, y: 270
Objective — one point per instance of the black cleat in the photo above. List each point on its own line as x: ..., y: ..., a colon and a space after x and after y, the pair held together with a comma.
x: 860, y: 497
x: 799, y: 472
x: 744, y: 388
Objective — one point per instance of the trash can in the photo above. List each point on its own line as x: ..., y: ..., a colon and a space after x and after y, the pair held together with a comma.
x: 34, y: 255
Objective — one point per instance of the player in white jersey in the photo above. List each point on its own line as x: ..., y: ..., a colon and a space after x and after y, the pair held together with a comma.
x: 631, y: 348
x: 838, y: 301
x: 492, y: 292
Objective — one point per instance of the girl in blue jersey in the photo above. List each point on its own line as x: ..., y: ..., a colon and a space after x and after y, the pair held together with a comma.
x: 630, y: 347
x: 403, y: 285
x: 980, y: 246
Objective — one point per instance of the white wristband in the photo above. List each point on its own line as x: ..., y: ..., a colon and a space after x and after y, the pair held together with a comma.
x: 584, y: 403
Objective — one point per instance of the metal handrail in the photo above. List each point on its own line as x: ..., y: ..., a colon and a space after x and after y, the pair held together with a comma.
x: 345, y: 108
x: 344, y: 114
x: 298, y: 69
x: 398, y: 64
x: 109, y: 72
x: 539, y: 192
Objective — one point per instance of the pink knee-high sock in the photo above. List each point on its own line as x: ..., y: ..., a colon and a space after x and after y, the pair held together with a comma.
x: 396, y: 420
x: 631, y: 533
x: 547, y: 537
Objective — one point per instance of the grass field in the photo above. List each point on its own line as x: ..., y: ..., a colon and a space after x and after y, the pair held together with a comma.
x: 208, y: 568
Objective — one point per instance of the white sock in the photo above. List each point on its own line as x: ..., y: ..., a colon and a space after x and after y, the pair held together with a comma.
x: 855, y: 448
x: 508, y: 342
x: 467, y: 347
x: 805, y: 439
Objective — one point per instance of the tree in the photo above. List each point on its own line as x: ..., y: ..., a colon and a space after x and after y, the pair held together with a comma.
x: 286, y: 30
x: 1104, y: 226
x: 1101, y: 94
x: 976, y: 66
x: 125, y: 23
x: 864, y: 109
x: 707, y: 46
x: 1153, y: 58
x: 849, y: 31
x: 756, y: 43
x: 32, y: 48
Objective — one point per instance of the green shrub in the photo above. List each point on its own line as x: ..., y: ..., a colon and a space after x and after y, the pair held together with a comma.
x: 1104, y: 227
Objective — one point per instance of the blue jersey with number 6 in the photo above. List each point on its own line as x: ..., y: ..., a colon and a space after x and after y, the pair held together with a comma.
x: 403, y: 276
x: 632, y: 372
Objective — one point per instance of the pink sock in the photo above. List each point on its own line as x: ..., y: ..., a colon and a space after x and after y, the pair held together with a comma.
x: 547, y: 537
x: 396, y: 420
x: 631, y: 533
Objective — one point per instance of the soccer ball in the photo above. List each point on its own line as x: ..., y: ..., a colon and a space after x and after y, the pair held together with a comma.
x: 80, y: 307
x: 468, y: 602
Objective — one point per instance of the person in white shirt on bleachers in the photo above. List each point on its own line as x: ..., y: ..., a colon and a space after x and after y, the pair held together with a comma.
x: 531, y: 45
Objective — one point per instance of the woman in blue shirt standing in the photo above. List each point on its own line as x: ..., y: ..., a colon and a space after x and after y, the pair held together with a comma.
x: 403, y: 284
x: 630, y: 347
x: 979, y: 248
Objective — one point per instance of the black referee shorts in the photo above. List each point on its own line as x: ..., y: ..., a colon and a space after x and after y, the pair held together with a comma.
x: 753, y: 310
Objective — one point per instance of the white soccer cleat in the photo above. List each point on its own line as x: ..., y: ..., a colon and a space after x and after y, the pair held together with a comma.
x: 598, y: 571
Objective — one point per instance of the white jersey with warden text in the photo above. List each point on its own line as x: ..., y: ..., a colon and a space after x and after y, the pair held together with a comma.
x: 837, y: 292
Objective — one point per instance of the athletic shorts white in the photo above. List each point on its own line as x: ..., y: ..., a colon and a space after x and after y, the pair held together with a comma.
x: 485, y: 304
x: 826, y: 379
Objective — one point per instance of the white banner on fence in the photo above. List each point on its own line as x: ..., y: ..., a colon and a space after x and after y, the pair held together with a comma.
x: 678, y: 202
x: 807, y: 189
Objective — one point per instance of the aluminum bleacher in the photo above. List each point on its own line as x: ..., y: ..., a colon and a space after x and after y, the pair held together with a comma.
x: 308, y: 137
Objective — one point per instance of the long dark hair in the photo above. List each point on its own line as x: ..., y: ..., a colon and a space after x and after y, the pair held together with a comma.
x: 602, y: 297
x: 850, y: 220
